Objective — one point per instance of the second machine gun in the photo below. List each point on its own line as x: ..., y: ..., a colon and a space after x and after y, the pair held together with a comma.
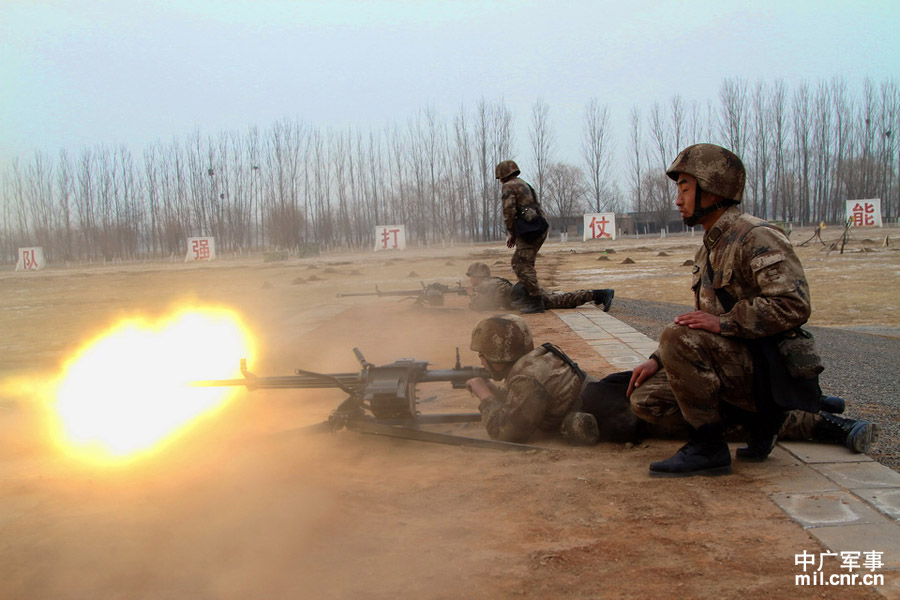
x: 431, y: 294
x: 388, y: 392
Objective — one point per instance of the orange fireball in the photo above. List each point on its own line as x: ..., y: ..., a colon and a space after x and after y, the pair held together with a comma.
x: 127, y: 391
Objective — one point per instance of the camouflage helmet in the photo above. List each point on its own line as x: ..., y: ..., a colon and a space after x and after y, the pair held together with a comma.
x: 502, y: 338
x: 478, y: 269
x: 506, y: 168
x: 718, y: 171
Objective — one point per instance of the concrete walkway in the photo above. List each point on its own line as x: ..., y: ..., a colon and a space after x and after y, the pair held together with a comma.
x: 847, y: 501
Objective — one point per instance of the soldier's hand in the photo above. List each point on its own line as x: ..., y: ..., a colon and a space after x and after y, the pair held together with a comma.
x: 478, y: 387
x: 510, y: 240
x: 641, y: 373
x: 699, y: 320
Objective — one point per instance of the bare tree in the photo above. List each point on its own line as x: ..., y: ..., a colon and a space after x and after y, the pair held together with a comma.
x: 760, y: 151
x: 676, y: 107
x: 733, y: 114
x: 566, y: 192
x: 637, y: 160
x: 493, y: 138
x: 660, y: 135
x: 780, y: 196
x: 596, y: 149
x: 802, y: 128
x: 543, y: 143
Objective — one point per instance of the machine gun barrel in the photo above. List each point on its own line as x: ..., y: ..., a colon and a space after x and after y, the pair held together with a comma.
x: 457, y: 377
x: 417, y: 372
x: 431, y: 294
x: 283, y: 382
x: 388, y: 392
x: 379, y: 293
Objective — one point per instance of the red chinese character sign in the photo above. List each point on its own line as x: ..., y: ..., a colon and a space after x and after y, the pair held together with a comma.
x: 864, y: 213
x: 200, y: 248
x: 31, y: 259
x: 600, y: 226
x: 390, y: 237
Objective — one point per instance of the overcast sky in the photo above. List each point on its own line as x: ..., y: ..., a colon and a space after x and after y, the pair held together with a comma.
x: 79, y: 73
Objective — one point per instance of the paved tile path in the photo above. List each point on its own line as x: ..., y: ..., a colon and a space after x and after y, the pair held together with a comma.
x: 847, y: 501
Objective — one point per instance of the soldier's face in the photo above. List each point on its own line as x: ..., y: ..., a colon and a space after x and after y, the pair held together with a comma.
x: 497, y: 370
x: 687, y: 185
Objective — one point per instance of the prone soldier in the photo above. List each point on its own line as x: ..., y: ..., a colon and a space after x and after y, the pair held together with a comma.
x: 547, y: 391
x: 492, y: 293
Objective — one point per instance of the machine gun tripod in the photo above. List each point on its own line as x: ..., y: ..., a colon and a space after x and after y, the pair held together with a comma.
x: 381, y: 400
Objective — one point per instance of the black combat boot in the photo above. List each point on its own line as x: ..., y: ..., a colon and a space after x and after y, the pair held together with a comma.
x: 856, y: 435
x: 580, y: 429
x: 706, y: 453
x: 603, y: 298
x: 832, y: 404
x: 762, y: 433
x: 532, y: 304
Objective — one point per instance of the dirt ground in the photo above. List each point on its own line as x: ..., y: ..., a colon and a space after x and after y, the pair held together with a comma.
x: 242, y: 505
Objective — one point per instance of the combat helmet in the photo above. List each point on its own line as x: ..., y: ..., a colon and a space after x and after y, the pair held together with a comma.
x: 718, y: 171
x: 478, y: 269
x: 506, y: 168
x: 502, y: 338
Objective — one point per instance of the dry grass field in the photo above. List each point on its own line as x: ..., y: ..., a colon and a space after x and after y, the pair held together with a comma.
x: 238, y: 505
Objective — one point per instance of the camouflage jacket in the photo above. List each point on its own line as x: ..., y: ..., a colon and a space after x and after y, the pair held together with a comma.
x: 516, y: 193
x: 540, y: 390
x: 494, y: 293
x: 756, y: 265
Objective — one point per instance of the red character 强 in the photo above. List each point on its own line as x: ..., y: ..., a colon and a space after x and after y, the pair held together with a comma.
x: 200, y: 249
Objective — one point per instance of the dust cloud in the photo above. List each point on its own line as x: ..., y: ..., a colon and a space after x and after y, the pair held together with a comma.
x: 243, y: 504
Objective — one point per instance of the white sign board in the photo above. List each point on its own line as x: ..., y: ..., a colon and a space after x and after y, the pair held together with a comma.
x: 599, y: 226
x: 390, y: 237
x: 864, y: 213
x: 200, y: 248
x: 31, y: 259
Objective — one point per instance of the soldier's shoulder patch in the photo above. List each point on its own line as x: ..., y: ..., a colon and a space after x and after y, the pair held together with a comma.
x: 766, y: 260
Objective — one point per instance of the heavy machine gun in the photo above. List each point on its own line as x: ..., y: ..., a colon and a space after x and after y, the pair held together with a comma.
x: 431, y: 294
x: 381, y: 400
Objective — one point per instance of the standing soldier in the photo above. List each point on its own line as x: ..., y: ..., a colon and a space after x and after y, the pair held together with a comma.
x: 526, y: 229
x: 748, y: 285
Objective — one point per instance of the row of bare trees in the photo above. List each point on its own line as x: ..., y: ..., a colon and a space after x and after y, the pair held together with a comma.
x: 807, y: 150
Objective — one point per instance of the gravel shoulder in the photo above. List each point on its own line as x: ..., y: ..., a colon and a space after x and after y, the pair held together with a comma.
x: 860, y: 367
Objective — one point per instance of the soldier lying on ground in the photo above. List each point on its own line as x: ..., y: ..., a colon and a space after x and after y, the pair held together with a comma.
x: 496, y: 293
x: 546, y: 391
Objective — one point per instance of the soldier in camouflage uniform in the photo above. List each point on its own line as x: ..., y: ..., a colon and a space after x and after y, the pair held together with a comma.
x: 546, y: 391
x: 540, y: 389
x: 703, y: 360
x: 496, y: 293
x: 487, y: 292
x: 519, y: 196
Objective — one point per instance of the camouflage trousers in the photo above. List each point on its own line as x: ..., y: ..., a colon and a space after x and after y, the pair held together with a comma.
x: 523, y: 263
x: 702, y: 370
x: 566, y: 299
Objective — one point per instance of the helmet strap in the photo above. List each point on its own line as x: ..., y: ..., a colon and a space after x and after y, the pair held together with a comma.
x: 699, y: 211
